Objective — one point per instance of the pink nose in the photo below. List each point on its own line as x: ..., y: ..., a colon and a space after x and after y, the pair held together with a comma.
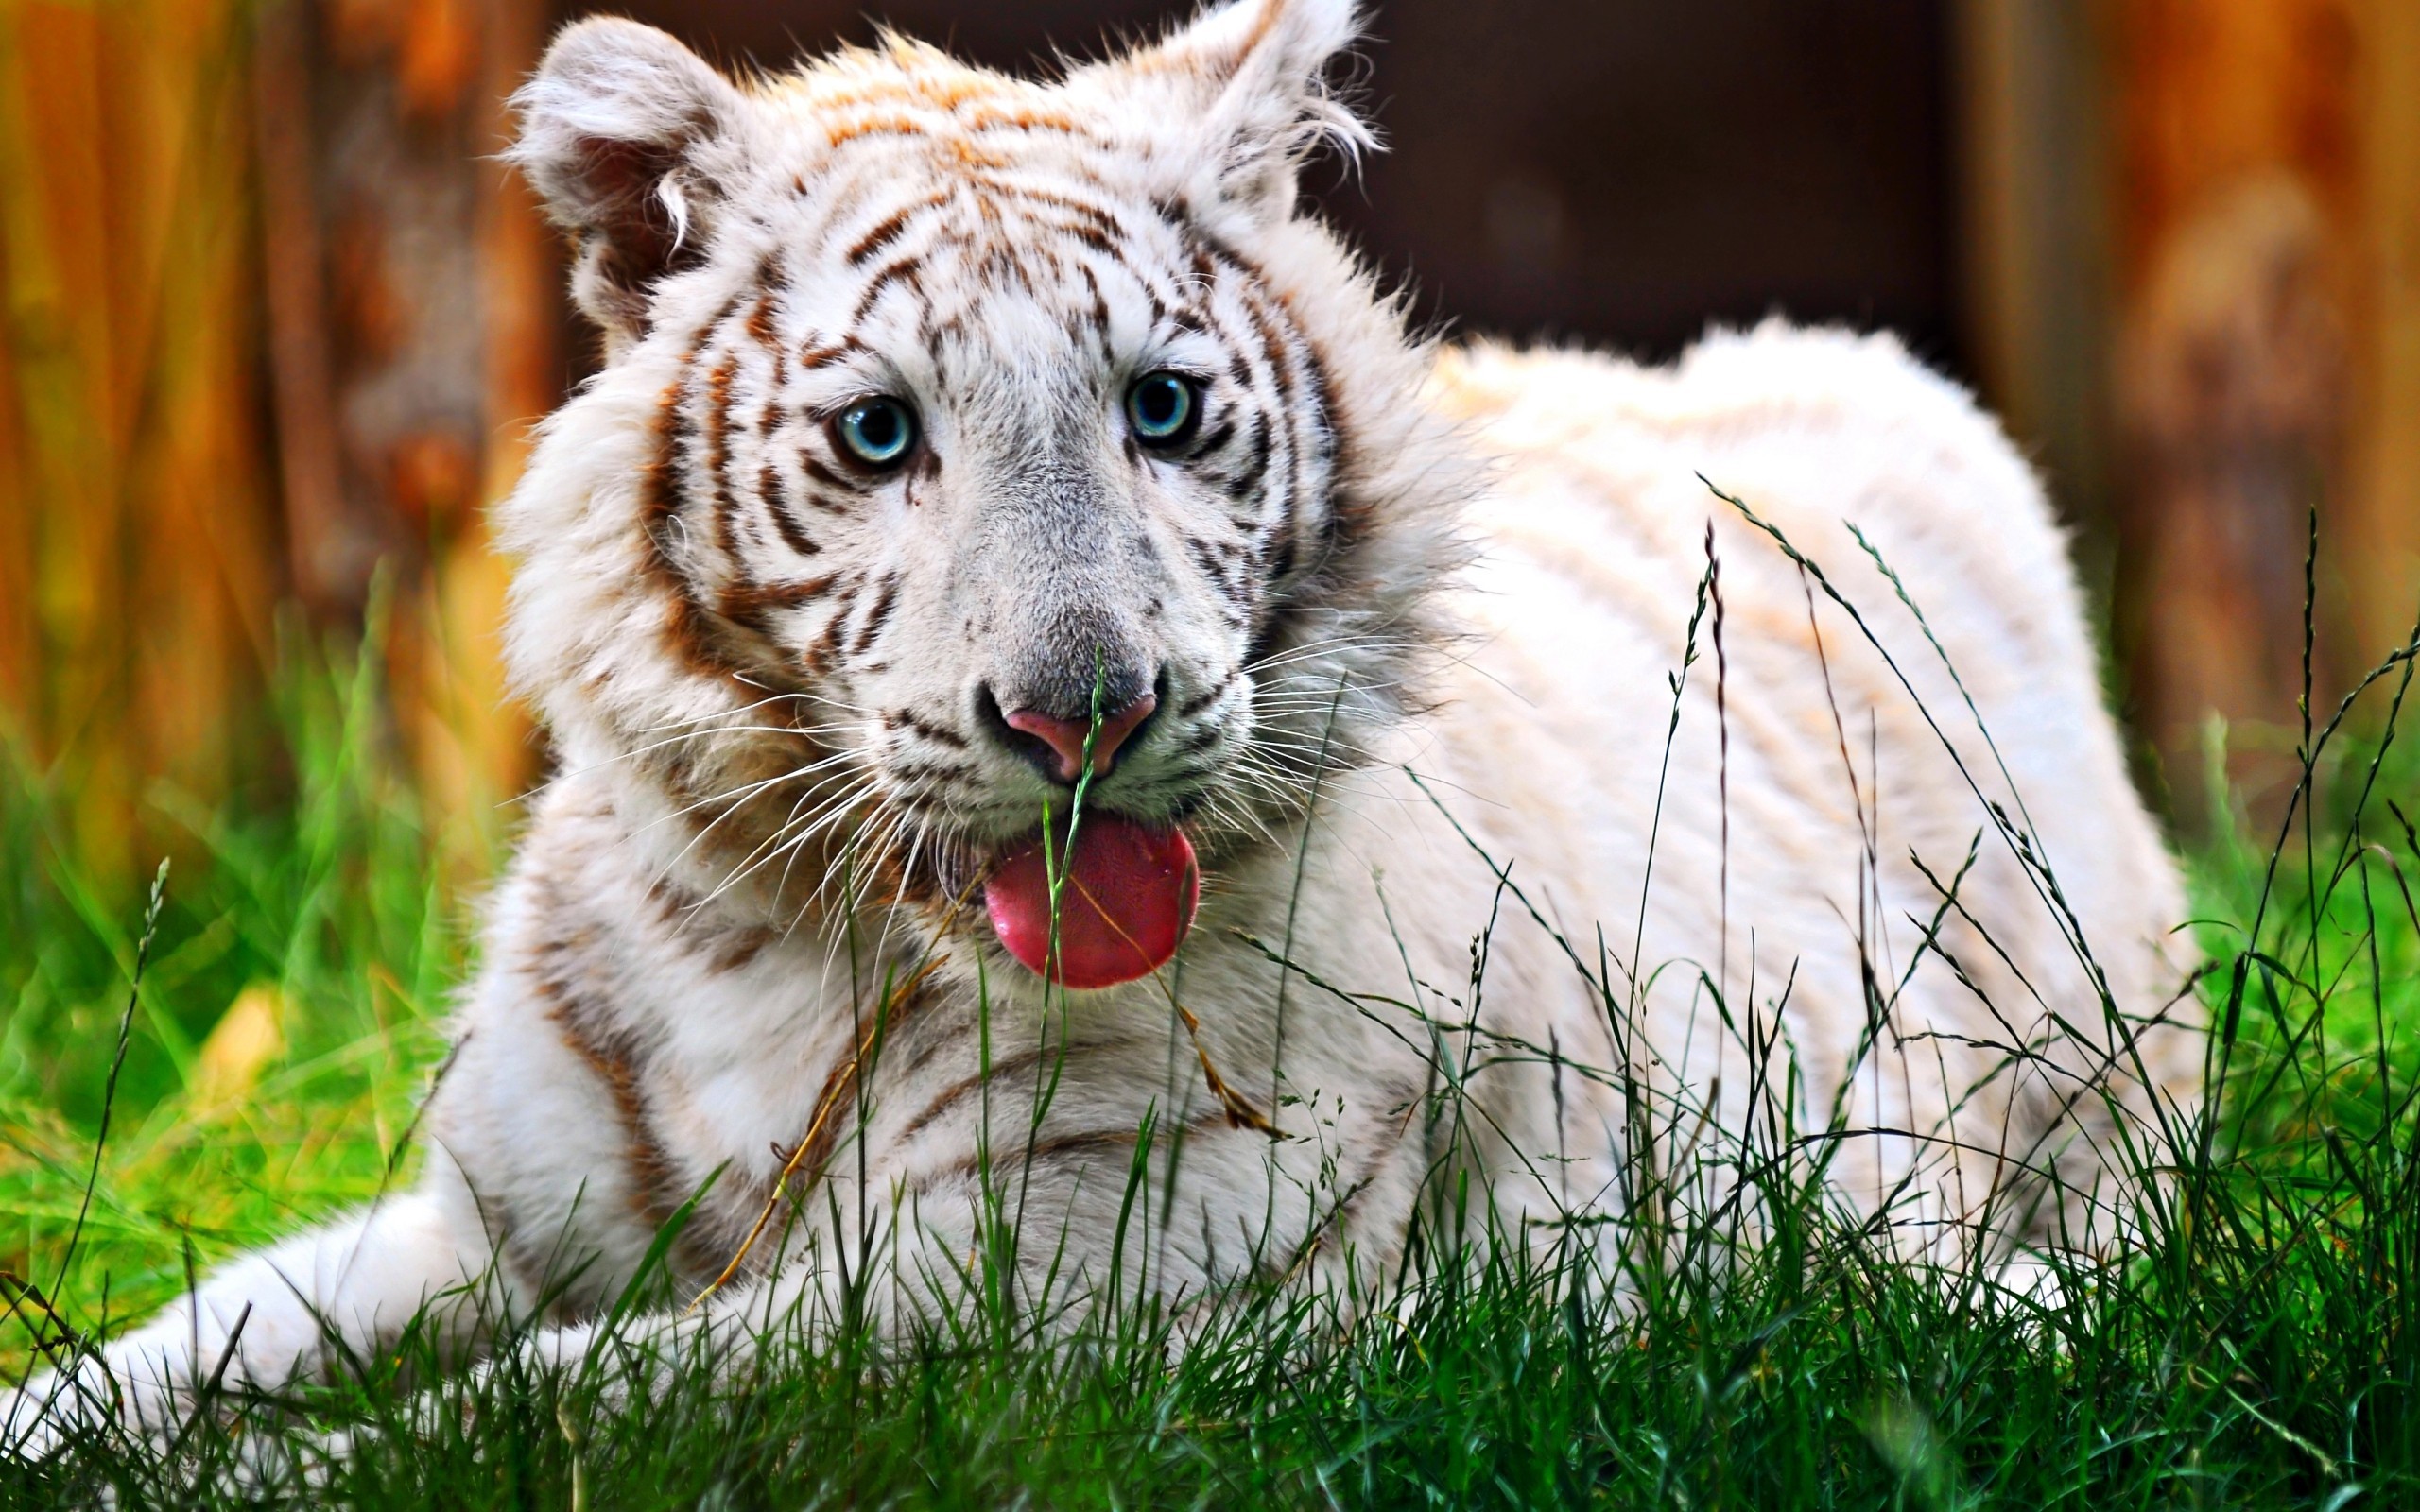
x: 1066, y: 736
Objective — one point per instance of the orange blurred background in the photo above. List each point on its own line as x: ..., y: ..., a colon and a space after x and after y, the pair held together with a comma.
x: 277, y: 322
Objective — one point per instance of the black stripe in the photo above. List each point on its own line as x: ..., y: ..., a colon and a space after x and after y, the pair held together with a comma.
x: 900, y: 271
x: 1244, y: 484
x: 1213, y: 441
x: 932, y: 772
x: 889, y: 229
x: 884, y: 602
x: 1344, y: 519
x: 688, y: 633
x: 813, y: 355
x: 760, y: 319
x: 957, y: 1091
x: 1200, y: 740
x: 717, y: 451
x: 768, y: 488
x: 750, y: 604
x: 938, y: 735
x: 1194, y: 706
x: 1099, y: 217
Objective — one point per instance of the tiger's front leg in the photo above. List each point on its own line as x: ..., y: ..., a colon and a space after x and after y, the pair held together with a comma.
x: 1042, y: 1226
x: 351, y: 1289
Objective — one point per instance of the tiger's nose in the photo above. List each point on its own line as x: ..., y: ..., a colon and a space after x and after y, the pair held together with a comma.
x: 1060, y: 745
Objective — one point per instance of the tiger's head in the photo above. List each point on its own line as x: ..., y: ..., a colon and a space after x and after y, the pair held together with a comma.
x: 960, y: 438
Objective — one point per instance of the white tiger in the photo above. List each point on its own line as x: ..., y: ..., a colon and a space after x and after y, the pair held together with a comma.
x: 960, y: 437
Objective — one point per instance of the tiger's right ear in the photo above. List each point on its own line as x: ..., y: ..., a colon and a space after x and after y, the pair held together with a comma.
x: 1231, y: 104
x: 612, y: 126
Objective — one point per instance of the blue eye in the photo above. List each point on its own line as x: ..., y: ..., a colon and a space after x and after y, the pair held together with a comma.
x: 877, y: 432
x: 1163, y: 408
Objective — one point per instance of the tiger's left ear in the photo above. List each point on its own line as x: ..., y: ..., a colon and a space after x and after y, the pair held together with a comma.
x: 617, y: 129
x: 1236, y: 101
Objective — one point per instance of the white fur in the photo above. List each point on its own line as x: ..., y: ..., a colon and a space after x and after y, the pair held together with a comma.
x: 674, y: 980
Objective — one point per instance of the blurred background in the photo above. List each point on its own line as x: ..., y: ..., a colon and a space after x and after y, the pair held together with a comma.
x: 277, y: 322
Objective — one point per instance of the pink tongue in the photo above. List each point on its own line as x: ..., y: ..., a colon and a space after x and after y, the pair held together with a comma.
x: 1128, y: 898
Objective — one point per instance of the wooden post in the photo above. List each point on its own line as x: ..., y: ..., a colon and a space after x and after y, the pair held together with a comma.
x: 2384, y: 503
x: 212, y: 210
x: 2192, y: 235
x: 2034, y: 240
x: 133, y: 507
x: 2270, y: 342
x: 414, y: 344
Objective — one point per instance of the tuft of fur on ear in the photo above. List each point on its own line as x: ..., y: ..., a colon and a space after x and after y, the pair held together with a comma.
x: 612, y: 127
x: 1246, y: 86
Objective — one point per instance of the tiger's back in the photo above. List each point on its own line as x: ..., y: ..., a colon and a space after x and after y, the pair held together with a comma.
x: 1907, y: 836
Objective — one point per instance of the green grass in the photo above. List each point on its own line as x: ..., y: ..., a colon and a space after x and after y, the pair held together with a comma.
x: 324, y: 900
x: 2260, y: 1348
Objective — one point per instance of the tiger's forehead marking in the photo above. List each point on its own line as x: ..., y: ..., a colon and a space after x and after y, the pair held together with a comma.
x: 907, y: 89
x: 869, y: 133
x: 964, y: 191
x: 899, y: 247
x: 873, y: 195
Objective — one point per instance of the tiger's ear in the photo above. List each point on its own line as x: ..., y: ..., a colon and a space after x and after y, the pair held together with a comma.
x: 613, y: 129
x: 1239, y: 100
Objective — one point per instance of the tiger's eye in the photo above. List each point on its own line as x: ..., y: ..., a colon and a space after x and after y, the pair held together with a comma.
x: 877, y: 432
x: 1163, y: 407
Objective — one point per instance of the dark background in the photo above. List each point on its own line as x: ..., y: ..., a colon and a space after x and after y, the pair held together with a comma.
x: 1620, y: 172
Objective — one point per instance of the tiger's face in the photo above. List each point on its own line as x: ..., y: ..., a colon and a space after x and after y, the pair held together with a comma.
x: 979, y: 452
x: 961, y: 438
